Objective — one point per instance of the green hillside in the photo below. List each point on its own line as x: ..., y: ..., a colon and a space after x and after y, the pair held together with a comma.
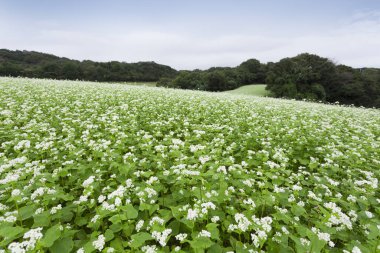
x: 252, y: 89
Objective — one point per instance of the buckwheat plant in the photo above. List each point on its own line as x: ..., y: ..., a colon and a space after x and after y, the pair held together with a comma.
x: 94, y: 167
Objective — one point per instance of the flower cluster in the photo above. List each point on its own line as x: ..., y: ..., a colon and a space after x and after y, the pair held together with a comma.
x: 94, y: 167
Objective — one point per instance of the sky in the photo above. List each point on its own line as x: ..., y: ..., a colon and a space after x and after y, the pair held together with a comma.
x: 195, y: 34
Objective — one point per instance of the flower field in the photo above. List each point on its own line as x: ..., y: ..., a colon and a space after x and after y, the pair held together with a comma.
x: 88, y: 167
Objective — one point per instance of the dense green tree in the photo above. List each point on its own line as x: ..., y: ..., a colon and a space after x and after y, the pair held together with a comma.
x: 305, y: 76
x: 251, y: 71
x: 10, y: 69
x: 316, y: 78
x: 34, y: 64
x: 189, y: 80
x: 216, y: 81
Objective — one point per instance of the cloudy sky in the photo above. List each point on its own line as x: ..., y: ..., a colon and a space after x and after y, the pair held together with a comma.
x: 197, y: 33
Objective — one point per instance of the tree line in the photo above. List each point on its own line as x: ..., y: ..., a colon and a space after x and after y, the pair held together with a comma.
x: 40, y: 65
x: 305, y: 76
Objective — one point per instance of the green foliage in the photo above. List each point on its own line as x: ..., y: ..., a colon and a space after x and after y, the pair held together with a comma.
x: 100, y: 167
x: 305, y: 76
x: 311, y: 77
x: 252, y: 71
x: 62, y: 245
x: 34, y: 64
x: 216, y: 81
x: 51, y: 235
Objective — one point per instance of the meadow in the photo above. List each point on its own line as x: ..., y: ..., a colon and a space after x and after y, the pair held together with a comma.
x: 91, y: 167
x: 252, y: 89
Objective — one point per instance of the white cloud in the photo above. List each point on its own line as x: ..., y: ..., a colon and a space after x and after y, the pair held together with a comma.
x: 354, y: 42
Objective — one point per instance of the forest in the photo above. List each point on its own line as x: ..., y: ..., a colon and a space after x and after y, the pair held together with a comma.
x: 305, y: 76
x: 41, y: 65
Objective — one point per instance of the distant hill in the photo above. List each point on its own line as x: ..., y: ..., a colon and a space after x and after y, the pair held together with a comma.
x: 305, y: 76
x: 41, y: 65
x: 257, y: 90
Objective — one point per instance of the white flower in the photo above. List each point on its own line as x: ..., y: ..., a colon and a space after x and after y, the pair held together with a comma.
x: 15, y: 193
x: 204, y: 233
x: 181, y: 237
x: 55, y: 209
x: 242, y: 222
x: 261, y: 234
x: 119, y: 192
x: 323, y: 236
x: 3, y: 207
x: 129, y: 183
x: 101, y: 198
x: 38, y: 192
x: 301, y: 203
x: 285, y: 230
x: 139, y: 225
x: 250, y: 202
x: 369, y: 214
x: 99, y: 243
x: 161, y: 236
x: 22, y: 144
x: 192, y: 214
x: 88, y: 181
x: 117, y: 201
x: 222, y: 169
x: 156, y: 220
x: 149, y: 249
x: 204, y: 159
x: 356, y: 250
x: 215, y: 219
x: 255, y: 240
x: 305, y: 242
x: 291, y: 198
x: 32, y: 235
x: 95, y: 218
x: 81, y: 250
x: 351, y: 198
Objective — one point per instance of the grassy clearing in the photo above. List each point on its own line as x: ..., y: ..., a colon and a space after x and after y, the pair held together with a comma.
x: 142, y: 84
x: 252, y: 89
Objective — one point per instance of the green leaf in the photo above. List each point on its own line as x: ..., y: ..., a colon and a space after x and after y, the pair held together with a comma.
x: 201, y: 243
x: 316, y: 244
x: 373, y: 232
x: 216, y: 248
x: 297, y: 210
x: 64, y: 245
x: 240, y: 248
x: 116, y: 227
x: 139, y: 239
x: 175, y: 226
x: 131, y: 212
x: 176, y: 213
x: 41, y: 220
x: 11, y: 232
x: 26, y: 212
x: 213, y: 229
x: 66, y: 214
x: 115, y: 219
x: 88, y: 247
x: 109, y: 235
x: 51, y: 235
x: 117, y: 244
